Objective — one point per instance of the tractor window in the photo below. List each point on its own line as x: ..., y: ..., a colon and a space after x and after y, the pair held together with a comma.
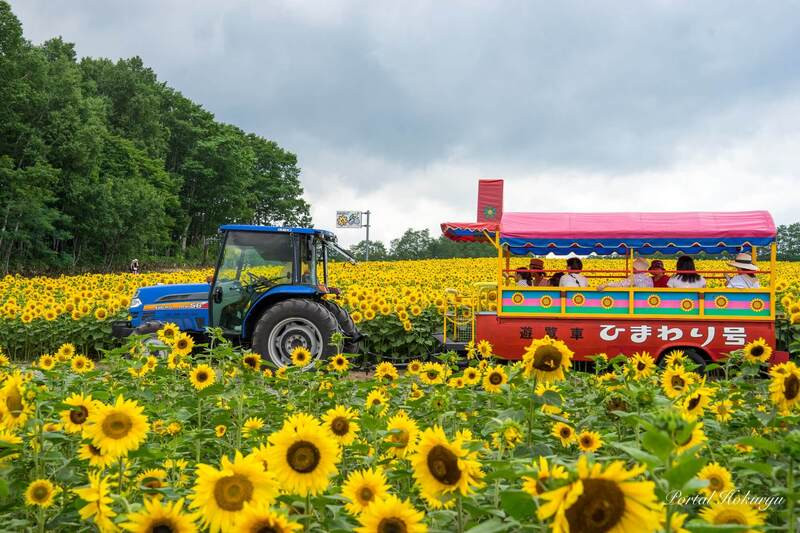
x: 251, y: 256
x: 307, y: 261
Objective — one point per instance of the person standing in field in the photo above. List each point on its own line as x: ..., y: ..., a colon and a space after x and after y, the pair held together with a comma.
x: 134, y: 266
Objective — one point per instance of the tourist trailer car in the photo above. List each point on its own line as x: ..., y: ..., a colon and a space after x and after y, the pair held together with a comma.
x: 706, y: 323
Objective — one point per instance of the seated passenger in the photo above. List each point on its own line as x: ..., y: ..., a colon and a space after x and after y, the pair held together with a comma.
x: 522, y: 277
x: 660, y: 279
x: 555, y: 279
x: 745, y: 277
x: 538, y: 275
x: 639, y: 278
x: 573, y: 276
x: 687, y: 276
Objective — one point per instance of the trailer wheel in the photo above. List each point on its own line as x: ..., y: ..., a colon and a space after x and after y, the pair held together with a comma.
x: 293, y: 323
x: 347, y: 326
x: 692, y: 354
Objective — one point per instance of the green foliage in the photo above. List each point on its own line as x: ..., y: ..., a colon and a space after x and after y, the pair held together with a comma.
x: 101, y: 162
x: 789, y: 242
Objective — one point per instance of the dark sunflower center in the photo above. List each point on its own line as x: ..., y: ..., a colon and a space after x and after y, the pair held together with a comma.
x: 392, y: 525
x: 340, y: 426
x: 693, y: 403
x: 432, y: 374
x: 677, y: 382
x: 365, y: 494
x: 565, y: 432
x: 495, y: 378
x: 640, y: 366
x: 715, y: 483
x: 303, y: 456
x: 547, y: 358
x: 401, y: 437
x: 598, y: 509
x: 40, y: 493
x: 78, y: 363
x: 182, y: 344
x: 95, y: 450
x: 14, y: 402
x: 250, y: 361
x: 757, y: 351
x: 730, y: 517
x: 376, y: 401
x: 79, y: 415
x: 163, y: 527
x: 586, y: 441
x: 443, y: 465
x: 153, y: 483
x: 791, y: 387
x: 117, y: 425
x: 232, y: 492
x: 201, y: 376
x: 267, y: 528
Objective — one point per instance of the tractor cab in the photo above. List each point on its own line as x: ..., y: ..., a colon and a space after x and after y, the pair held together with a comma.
x: 262, y: 271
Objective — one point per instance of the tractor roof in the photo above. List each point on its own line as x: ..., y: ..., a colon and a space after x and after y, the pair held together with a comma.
x: 327, y: 235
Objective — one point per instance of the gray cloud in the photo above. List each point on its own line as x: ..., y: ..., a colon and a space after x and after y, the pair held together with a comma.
x: 406, y: 104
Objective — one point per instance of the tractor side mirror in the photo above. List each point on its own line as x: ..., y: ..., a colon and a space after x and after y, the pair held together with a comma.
x: 218, y: 295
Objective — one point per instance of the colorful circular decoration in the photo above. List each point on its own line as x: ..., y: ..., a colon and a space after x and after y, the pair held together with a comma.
x: 489, y: 212
x: 721, y: 302
x: 578, y: 299
x: 607, y: 302
x: 687, y: 305
x: 654, y: 300
x: 546, y: 301
x: 517, y: 298
x: 757, y: 305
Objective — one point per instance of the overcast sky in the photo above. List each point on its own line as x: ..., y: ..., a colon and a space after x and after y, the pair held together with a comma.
x: 399, y: 107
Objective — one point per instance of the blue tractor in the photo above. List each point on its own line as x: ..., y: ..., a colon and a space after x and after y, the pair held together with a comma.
x: 266, y: 294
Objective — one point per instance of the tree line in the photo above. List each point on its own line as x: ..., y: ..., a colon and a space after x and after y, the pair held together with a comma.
x: 418, y: 244
x: 101, y: 162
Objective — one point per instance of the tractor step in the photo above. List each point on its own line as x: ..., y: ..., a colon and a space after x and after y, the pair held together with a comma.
x: 450, y: 345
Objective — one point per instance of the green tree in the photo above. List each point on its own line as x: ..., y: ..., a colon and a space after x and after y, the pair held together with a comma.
x: 414, y: 244
x: 789, y: 242
x: 377, y: 251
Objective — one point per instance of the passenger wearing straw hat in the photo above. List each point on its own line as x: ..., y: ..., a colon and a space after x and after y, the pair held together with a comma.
x: 745, y: 277
x: 640, y: 278
x: 537, y: 273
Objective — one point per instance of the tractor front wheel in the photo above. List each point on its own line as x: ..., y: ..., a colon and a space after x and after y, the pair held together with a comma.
x: 294, y: 323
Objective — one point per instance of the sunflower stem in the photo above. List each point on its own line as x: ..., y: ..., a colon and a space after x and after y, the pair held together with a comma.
x: 460, y: 515
x: 790, y: 490
x: 121, y: 474
x: 40, y: 520
x: 308, y: 512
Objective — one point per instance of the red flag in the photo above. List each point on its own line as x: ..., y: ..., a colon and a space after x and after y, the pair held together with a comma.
x: 490, y: 200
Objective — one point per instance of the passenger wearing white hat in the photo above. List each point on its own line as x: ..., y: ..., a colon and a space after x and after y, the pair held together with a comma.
x: 640, y: 277
x: 745, y: 277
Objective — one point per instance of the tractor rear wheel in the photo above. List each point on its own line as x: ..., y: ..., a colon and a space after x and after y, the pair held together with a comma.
x: 294, y: 323
x: 346, y: 324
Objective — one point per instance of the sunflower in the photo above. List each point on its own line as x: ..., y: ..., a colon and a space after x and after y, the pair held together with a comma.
x: 152, y: 478
x: 340, y: 421
x: 95, y: 456
x: 547, y: 359
x: 65, y: 352
x: 484, y: 348
x: 550, y: 408
x: 602, y: 500
x: 675, y: 358
x: 40, y: 492
x: 81, y: 364
x: 339, y: 363
x: 471, y: 376
x: 494, y: 378
x: 303, y: 457
x: 168, y: 333
x: 391, y: 515
x: 402, y: 434
x: 118, y: 428
x: 75, y: 418
x: 642, y: 365
x: 741, y: 514
x: 46, y: 362
x: 14, y: 407
x: 363, y: 487
x: 220, y: 430
x: 157, y: 516
x: 784, y: 387
x: 414, y: 367
x: 695, y: 438
x: 544, y: 473
x: 377, y: 398
x: 386, y: 371
x: 718, y: 477
x: 182, y: 344
x: 589, y: 441
x: 301, y: 357
x: 97, y: 499
x: 101, y: 313
x: 220, y: 495
x: 202, y: 376
x: 564, y: 433
x: 251, y: 426
x: 675, y: 380
x: 695, y: 403
x: 8, y: 440
x: 252, y: 361
x: 757, y: 351
x: 723, y: 410
x: 257, y: 517
x: 442, y: 468
x: 432, y: 373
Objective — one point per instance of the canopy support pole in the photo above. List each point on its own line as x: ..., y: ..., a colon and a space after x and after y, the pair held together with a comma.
x: 773, y: 256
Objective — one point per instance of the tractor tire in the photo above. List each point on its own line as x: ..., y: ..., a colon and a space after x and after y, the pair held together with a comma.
x: 346, y: 325
x: 292, y: 323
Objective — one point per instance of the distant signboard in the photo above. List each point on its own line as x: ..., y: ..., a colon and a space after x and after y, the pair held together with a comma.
x: 348, y: 219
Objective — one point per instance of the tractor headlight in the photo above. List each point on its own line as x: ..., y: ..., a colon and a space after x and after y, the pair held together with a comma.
x: 136, y: 302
